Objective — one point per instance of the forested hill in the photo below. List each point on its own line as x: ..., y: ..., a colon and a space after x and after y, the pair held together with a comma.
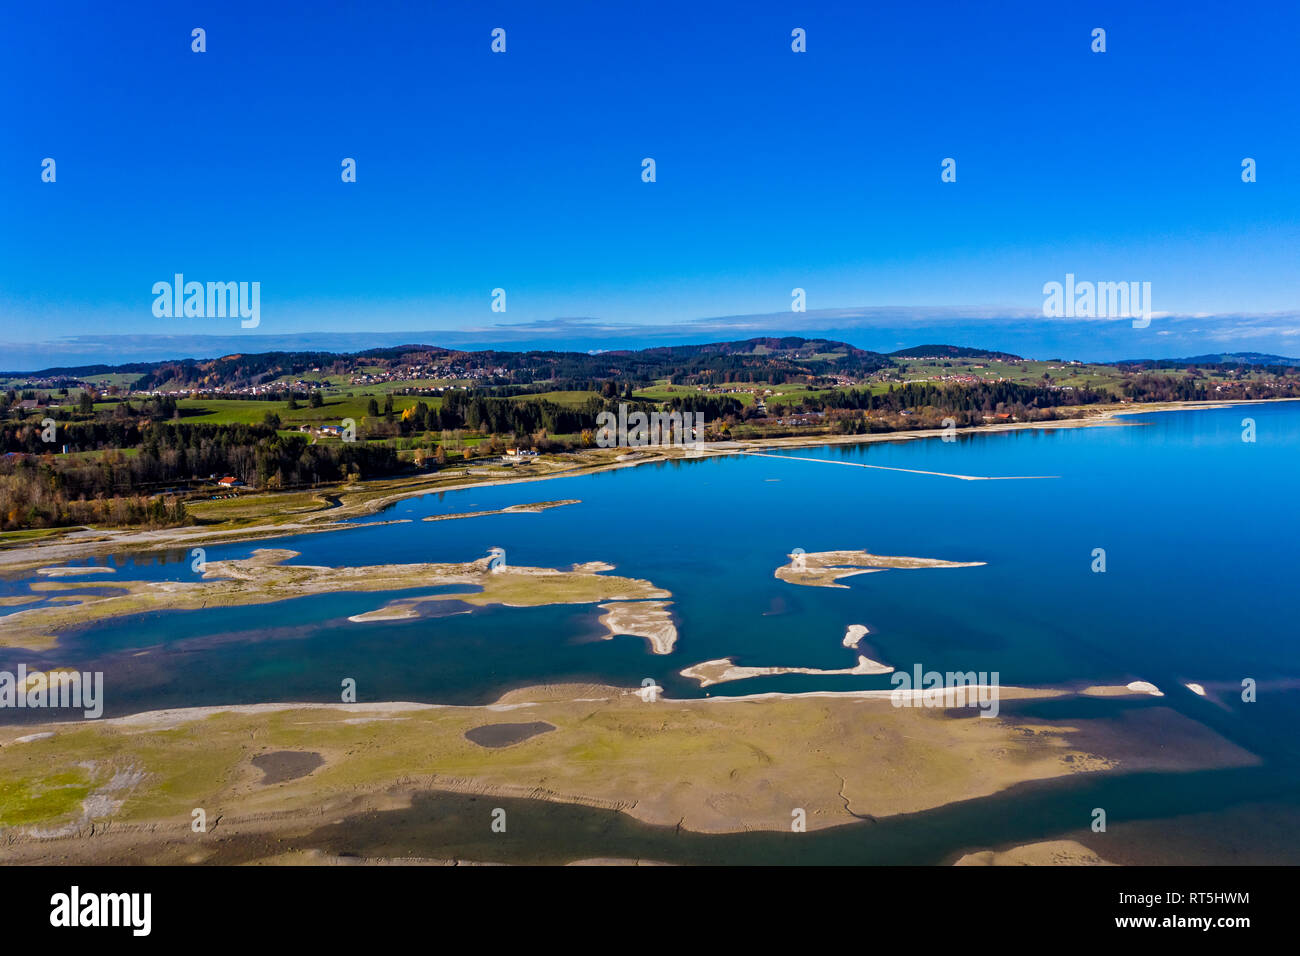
x: 951, y: 352
x: 774, y: 360
x: 757, y: 359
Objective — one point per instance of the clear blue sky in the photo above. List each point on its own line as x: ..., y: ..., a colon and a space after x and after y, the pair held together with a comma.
x: 522, y: 170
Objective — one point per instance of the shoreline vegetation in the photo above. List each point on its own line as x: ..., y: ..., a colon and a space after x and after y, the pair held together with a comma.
x: 717, y: 765
x: 268, y: 514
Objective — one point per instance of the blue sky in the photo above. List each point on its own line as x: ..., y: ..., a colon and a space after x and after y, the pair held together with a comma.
x: 523, y: 170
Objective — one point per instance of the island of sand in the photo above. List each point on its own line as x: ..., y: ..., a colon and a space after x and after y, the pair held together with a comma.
x: 823, y: 569
x: 854, y: 634
x: 724, y: 669
x: 648, y: 619
x: 68, y: 571
x: 534, y: 508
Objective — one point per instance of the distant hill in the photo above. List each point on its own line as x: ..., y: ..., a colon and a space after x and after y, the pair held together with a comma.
x: 86, y: 371
x: 762, y: 359
x: 773, y: 359
x: 951, y: 352
x: 1222, y: 358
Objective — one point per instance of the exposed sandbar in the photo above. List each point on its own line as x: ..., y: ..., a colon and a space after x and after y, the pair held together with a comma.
x: 823, y: 569
x: 403, y: 611
x: 67, y: 571
x: 723, y: 670
x: 1134, y: 688
x: 649, y: 619
x: 534, y: 508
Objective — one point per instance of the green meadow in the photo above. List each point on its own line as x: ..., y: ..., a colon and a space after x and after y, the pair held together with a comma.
x: 228, y: 411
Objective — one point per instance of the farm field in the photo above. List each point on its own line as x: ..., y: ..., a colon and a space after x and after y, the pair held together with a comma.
x: 228, y: 411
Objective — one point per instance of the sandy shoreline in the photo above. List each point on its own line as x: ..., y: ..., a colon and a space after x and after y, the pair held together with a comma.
x: 518, y: 699
x: 721, y: 765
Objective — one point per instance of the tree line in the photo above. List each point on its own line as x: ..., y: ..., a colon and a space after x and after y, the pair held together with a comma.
x: 38, y: 489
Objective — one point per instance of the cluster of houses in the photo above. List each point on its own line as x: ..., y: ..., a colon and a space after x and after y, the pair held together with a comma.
x: 734, y: 390
x: 431, y: 389
x: 409, y: 373
x: 245, y: 391
x: 957, y: 379
x: 796, y: 420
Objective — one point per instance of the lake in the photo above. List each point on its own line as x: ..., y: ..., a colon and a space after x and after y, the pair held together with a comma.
x: 1196, y: 524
